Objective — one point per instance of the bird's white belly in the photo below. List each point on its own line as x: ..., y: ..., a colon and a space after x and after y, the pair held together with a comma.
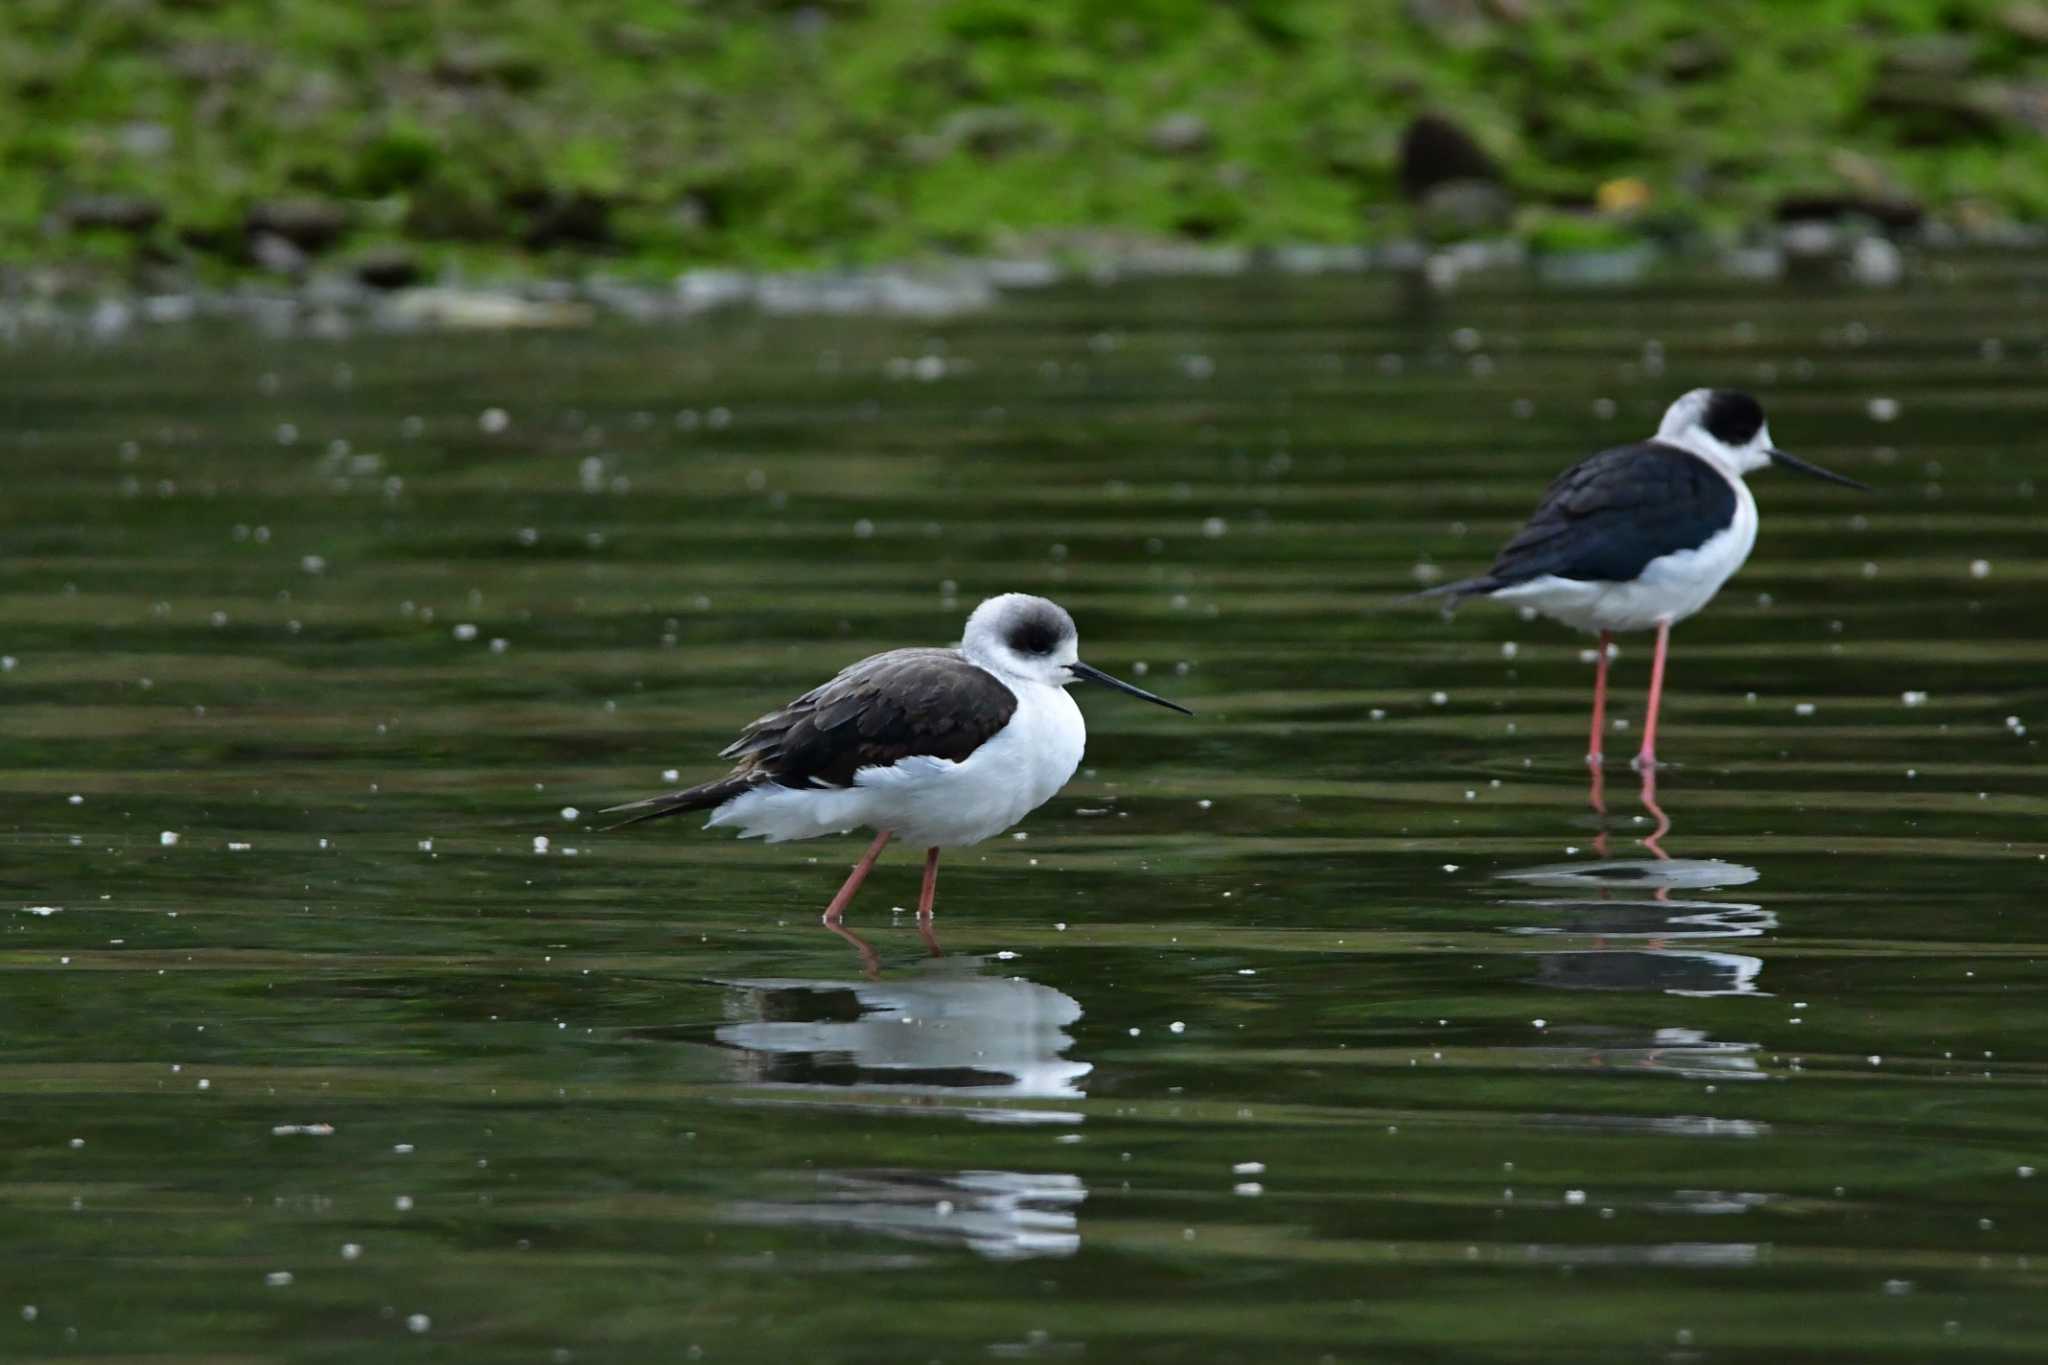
x: 1670, y: 588
x: 933, y: 802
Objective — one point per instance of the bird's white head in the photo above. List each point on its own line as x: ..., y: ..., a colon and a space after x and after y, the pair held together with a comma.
x: 1021, y: 638
x: 1726, y: 428
x: 1721, y: 426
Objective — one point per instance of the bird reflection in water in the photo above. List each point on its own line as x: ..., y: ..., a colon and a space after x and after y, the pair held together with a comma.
x: 945, y: 1024
x: 870, y: 960
x: 1651, y: 926
x: 948, y: 1027
x: 1596, y: 797
x: 1002, y: 1215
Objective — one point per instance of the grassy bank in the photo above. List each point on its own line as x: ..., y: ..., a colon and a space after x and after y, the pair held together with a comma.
x: 202, y: 138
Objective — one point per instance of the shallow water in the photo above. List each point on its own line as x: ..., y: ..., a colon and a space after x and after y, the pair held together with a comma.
x: 1330, y: 1025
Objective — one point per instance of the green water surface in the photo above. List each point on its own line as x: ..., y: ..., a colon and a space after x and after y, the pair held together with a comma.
x: 1332, y: 1024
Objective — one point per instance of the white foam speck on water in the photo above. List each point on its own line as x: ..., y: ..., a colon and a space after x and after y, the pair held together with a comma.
x: 403, y: 1203
x: 671, y: 774
x: 1913, y: 698
x: 570, y: 812
x: 1574, y: 1196
x: 1883, y: 409
x: 491, y: 421
x: 540, y: 843
x: 278, y: 1279
x: 465, y: 631
x: 302, y: 1130
x: 426, y: 845
x: 350, y: 1250
x: 74, y: 799
x: 1980, y: 568
x: 418, y: 1322
x: 44, y: 910
x: 1804, y: 708
x: 236, y: 847
x: 1439, y: 698
x: 1249, y: 1189
x: 1176, y: 1027
x: 1249, y: 1168
x: 168, y: 838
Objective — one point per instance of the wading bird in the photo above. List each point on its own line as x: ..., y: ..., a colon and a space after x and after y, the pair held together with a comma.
x: 939, y: 747
x: 1643, y: 535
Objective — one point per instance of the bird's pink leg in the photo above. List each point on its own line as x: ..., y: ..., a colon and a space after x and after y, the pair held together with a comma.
x: 870, y: 962
x: 1599, y: 700
x: 1646, y: 757
x: 930, y: 892
x: 1597, y: 797
x: 853, y: 881
x: 1653, y: 842
x: 925, y: 898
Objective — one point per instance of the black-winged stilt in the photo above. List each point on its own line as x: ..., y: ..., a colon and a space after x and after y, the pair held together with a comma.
x: 940, y: 747
x: 1643, y: 535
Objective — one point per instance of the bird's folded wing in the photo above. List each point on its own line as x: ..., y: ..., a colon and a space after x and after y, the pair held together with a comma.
x: 1608, y: 516
x: 907, y: 702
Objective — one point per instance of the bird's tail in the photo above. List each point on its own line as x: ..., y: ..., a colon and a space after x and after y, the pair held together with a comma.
x: 1463, y: 588
x: 701, y: 797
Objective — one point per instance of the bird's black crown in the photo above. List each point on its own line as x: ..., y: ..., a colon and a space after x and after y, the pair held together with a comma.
x: 1037, y: 629
x: 1732, y: 418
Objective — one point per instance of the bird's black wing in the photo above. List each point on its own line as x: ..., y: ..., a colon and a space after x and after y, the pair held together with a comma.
x: 1608, y: 516
x: 902, y: 704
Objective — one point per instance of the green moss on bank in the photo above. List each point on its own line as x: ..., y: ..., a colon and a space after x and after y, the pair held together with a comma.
x: 656, y: 134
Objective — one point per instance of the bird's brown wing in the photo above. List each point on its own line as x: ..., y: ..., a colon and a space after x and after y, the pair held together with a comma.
x: 902, y: 704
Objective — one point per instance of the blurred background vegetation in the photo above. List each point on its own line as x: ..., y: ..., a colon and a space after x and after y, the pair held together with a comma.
x: 205, y: 138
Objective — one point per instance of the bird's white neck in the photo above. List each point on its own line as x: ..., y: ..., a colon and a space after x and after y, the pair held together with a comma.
x: 1734, y: 461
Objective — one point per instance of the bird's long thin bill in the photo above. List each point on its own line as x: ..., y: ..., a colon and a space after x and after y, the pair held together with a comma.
x: 1815, y: 471
x: 1096, y: 675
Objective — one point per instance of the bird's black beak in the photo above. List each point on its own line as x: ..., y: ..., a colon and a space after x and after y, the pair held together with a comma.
x: 1814, y: 471
x: 1096, y: 675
